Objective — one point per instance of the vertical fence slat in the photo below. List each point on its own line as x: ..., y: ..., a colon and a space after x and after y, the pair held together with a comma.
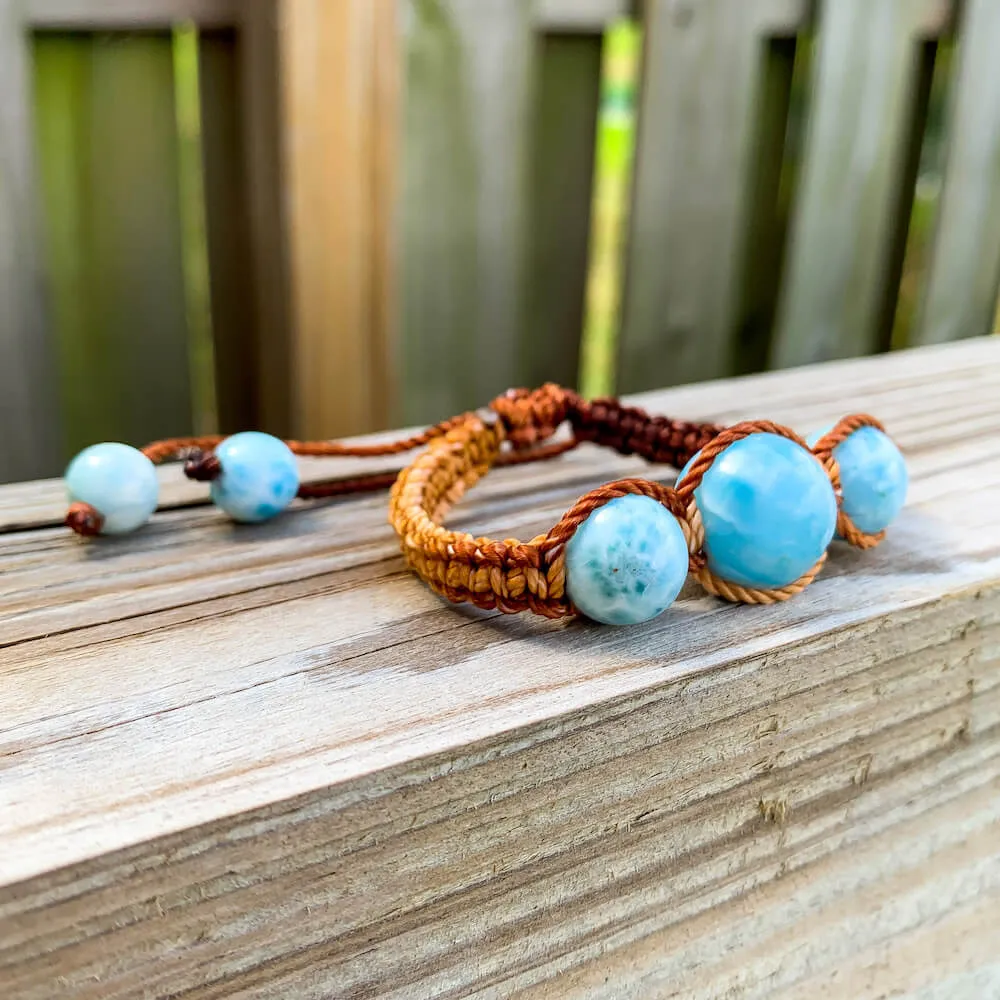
x: 961, y: 292
x: 109, y: 167
x: 766, y: 218
x: 268, y: 293
x: 698, y: 142
x: 331, y: 117
x: 465, y: 200
x: 234, y: 330
x: 836, y: 296
x: 563, y: 166
x: 30, y: 445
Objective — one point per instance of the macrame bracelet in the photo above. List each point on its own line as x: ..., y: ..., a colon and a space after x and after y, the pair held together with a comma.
x: 630, y: 564
x: 750, y: 516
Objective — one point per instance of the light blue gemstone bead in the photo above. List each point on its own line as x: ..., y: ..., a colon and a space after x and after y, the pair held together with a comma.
x: 626, y: 562
x: 116, y: 480
x: 259, y: 476
x: 873, y: 477
x: 768, y: 509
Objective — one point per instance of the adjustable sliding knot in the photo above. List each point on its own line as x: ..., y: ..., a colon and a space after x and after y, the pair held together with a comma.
x: 530, y: 416
x: 632, y: 431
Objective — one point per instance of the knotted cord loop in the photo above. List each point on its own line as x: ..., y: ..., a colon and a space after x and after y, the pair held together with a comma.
x: 533, y: 415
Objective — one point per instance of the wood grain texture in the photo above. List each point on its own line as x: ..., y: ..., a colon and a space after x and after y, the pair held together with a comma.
x: 235, y: 331
x: 28, y: 400
x: 269, y: 763
x: 849, y: 223
x: 702, y: 121
x: 267, y: 213
x: 333, y: 109
x: 960, y: 296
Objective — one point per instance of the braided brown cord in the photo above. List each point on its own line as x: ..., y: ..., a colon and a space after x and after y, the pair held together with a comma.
x: 196, y: 447
x: 383, y: 480
x: 631, y: 431
x: 513, y: 576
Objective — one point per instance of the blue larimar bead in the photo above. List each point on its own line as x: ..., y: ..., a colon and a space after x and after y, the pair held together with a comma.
x: 626, y: 562
x: 259, y: 476
x: 873, y: 477
x: 116, y: 480
x: 768, y: 509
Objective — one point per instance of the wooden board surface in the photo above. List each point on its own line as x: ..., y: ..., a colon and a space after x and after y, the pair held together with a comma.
x: 267, y: 762
x: 960, y: 298
x: 565, y: 122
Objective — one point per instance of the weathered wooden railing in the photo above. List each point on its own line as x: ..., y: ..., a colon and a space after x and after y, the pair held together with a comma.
x: 397, y: 203
x: 270, y: 762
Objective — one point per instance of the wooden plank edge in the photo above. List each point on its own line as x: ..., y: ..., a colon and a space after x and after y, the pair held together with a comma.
x: 820, y: 775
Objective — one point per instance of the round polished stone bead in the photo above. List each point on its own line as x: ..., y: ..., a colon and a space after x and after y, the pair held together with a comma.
x: 873, y: 477
x: 768, y: 509
x: 626, y: 562
x: 116, y: 480
x: 259, y: 476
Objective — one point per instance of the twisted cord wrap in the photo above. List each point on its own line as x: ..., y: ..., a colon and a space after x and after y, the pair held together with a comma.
x: 197, y: 449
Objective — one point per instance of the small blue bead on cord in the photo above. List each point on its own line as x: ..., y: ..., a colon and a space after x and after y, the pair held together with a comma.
x: 626, y: 563
x: 873, y: 477
x: 259, y: 477
x: 768, y: 510
x: 119, y: 482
